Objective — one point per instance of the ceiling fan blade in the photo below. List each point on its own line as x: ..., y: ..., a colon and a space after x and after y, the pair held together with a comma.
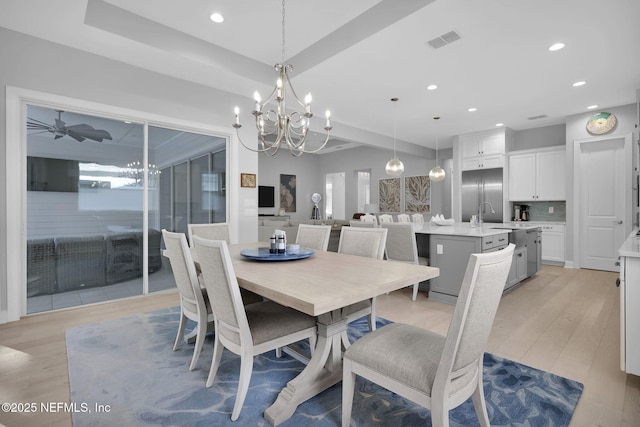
x: 89, y: 132
x: 73, y: 135
x: 37, y: 124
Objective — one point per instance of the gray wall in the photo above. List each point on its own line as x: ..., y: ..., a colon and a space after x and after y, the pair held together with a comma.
x: 547, y: 136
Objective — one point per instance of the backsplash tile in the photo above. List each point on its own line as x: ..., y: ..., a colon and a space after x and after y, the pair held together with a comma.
x: 539, y: 211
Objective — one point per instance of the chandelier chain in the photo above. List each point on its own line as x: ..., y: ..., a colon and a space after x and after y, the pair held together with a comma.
x: 283, y: 32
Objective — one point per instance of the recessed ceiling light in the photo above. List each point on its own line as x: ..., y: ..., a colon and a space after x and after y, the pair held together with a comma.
x: 580, y: 83
x: 472, y: 109
x: 592, y: 107
x: 499, y: 125
x: 432, y: 87
x: 556, y: 46
x: 217, y: 18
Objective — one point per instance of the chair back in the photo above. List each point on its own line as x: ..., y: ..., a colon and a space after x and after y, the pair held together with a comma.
x: 418, y: 218
x: 369, y: 218
x: 358, y: 223
x: 217, y: 231
x: 385, y: 218
x: 184, y: 270
x: 367, y: 242
x: 224, y: 293
x: 473, y: 316
x: 314, y: 236
x: 404, y: 218
x: 401, y: 242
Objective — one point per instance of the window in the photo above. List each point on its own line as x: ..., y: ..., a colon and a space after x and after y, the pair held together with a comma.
x: 363, y: 180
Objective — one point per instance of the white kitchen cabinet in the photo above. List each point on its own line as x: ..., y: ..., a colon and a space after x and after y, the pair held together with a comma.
x: 483, y: 150
x: 553, y: 237
x: 537, y: 175
x: 629, y: 304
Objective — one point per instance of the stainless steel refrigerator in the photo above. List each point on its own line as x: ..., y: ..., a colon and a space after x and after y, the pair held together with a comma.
x: 479, y: 186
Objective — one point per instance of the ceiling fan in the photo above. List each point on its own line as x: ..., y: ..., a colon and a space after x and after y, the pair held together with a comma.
x: 59, y: 129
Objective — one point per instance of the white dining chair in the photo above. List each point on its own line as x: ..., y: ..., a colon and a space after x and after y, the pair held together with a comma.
x: 193, y: 299
x: 215, y: 231
x: 313, y: 236
x: 369, y: 218
x: 245, y: 330
x: 404, y: 218
x: 366, y: 242
x: 431, y: 370
x: 401, y: 246
x: 417, y: 218
x: 385, y: 218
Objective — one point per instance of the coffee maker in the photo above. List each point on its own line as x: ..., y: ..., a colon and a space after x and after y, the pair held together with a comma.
x: 521, y: 212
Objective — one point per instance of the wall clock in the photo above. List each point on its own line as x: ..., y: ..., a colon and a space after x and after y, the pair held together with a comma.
x: 601, y: 123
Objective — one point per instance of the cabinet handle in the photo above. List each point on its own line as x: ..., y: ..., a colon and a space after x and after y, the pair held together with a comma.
x: 617, y: 264
x: 618, y: 282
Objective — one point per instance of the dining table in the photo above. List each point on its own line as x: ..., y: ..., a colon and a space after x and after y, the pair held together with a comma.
x: 320, y: 285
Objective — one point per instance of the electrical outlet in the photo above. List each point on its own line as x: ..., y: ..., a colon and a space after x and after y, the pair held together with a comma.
x: 550, y: 209
x: 439, y: 249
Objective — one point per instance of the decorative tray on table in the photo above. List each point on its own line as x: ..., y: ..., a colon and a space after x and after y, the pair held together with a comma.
x: 263, y: 254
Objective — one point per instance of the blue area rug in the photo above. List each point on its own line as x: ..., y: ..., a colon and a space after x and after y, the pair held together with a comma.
x: 123, y: 372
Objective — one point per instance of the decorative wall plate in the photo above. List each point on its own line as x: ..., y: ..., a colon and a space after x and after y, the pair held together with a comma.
x: 601, y: 123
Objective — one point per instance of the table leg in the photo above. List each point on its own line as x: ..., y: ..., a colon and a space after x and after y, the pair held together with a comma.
x: 323, y: 371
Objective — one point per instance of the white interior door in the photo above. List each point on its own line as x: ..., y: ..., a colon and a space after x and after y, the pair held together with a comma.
x: 603, y: 193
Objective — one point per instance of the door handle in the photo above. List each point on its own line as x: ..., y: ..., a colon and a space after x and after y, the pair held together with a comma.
x: 618, y: 221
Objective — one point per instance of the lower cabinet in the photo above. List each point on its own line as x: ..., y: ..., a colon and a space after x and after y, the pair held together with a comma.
x: 553, y: 237
x: 630, y: 315
x: 518, y: 270
x: 451, y: 255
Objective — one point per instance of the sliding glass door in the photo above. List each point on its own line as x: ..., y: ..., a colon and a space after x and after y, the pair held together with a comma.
x: 98, y: 196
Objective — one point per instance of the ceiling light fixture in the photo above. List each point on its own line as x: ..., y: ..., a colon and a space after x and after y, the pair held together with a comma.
x: 580, y: 83
x: 499, y: 125
x: 432, y: 87
x: 437, y: 173
x: 556, y: 46
x: 217, y: 18
x: 272, y: 120
x: 472, y: 109
x: 592, y: 107
x: 394, y: 167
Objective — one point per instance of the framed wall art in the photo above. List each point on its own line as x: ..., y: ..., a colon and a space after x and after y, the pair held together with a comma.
x: 389, y: 195
x: 248, y: 180
x: 417, y: 194
x: 288, y: 193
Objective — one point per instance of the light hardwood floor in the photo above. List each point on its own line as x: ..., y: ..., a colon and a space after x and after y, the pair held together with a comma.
x: 564, y: 321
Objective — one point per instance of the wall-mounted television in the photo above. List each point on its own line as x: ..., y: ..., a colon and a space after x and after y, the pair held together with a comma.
x: 266, y: 196
x: 44, y: 174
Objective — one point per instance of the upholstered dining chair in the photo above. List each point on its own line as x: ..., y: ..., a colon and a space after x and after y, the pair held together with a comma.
x: 437, y: 372
x: 215, y: 231
x: 313, y: 236
x: 401, y: 246
x: 245, y: 330
x: 404, y: 218
x: 417, y: 218
x: 385, y: 218
x: 369, y: 218
x: 367, y: 242
x: 194, y: 304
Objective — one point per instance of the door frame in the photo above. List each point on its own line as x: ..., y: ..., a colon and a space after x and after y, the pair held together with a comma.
x: 577, y: 218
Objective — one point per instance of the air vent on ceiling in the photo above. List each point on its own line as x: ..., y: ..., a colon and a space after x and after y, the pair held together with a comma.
x: 541, y: 116
x: 444, y: 40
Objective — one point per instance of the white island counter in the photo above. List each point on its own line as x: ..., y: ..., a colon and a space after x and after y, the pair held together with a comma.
x: 629, y: 283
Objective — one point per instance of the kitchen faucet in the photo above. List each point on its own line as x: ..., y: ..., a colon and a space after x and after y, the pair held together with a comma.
x: 480, y: 210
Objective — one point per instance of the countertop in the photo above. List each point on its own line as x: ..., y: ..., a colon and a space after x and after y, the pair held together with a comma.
x: 465, y: 229
x: 631, y: 246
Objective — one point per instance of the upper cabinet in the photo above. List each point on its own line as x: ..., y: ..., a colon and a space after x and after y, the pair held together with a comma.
x: 483, y: 150
x: 536, y: 175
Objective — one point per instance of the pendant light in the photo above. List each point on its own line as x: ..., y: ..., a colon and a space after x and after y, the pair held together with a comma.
x: 394, y: 167
x: 437, y: 173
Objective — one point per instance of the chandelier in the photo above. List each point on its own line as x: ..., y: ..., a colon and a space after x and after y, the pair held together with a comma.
x: 394, y: 167
x: 437, y: 173
x: 274, y: 125
x: 135, y: 172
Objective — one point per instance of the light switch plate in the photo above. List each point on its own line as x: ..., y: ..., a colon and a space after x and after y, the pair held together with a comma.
x: 550, y: 209
x: 439, y: 249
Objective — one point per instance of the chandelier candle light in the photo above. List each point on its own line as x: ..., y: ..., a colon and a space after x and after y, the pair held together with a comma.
x: 394, y: 167
x: 273, y: 124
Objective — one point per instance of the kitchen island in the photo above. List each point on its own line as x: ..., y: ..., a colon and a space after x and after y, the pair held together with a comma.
x: 449, y: 247
x: 629, y: 254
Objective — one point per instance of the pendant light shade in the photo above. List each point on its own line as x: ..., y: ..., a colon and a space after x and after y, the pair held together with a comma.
x: 437, y: 173
x: 394, y: 167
